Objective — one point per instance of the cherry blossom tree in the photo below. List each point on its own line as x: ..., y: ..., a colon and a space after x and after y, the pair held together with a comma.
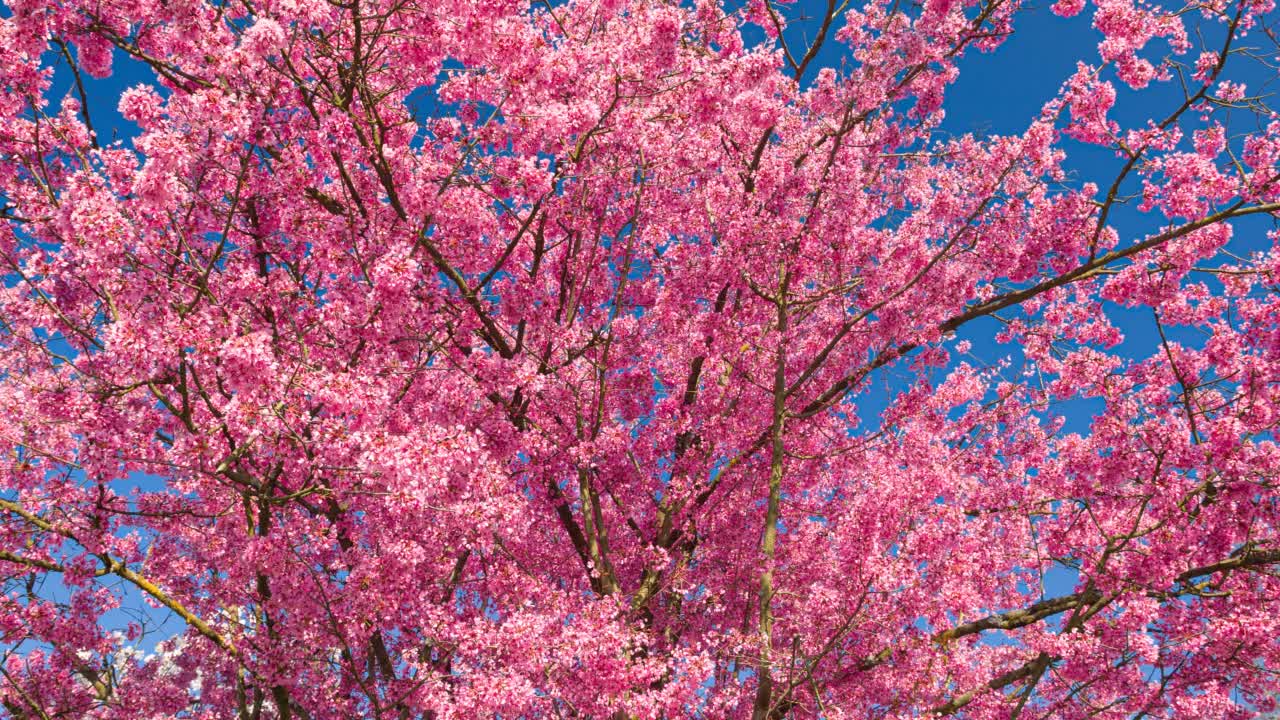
x: 630, y: 359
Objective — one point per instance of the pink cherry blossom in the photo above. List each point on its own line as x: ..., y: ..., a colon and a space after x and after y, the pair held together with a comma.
x: 627, y: 359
